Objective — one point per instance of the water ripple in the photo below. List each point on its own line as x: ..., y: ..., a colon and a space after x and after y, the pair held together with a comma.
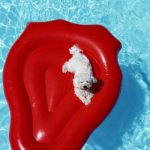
x: 129, y: 21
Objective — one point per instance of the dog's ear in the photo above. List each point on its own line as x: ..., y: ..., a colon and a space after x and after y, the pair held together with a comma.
x: 94, y: 80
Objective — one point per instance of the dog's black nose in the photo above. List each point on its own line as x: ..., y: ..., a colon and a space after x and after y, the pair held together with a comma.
x: 85, y: 87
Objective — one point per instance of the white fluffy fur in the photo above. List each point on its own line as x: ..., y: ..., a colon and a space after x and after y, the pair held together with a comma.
x: 83, y: 79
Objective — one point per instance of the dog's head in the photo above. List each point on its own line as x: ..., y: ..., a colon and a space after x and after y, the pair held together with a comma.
x: 84, y: 81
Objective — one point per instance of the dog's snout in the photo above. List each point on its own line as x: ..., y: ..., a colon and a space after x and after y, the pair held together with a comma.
x: 85, y: 87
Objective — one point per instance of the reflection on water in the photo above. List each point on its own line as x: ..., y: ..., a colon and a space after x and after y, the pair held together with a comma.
x: 127, y: 127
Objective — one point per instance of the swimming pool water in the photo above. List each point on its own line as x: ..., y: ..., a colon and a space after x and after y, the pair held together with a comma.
x: 128, y: 125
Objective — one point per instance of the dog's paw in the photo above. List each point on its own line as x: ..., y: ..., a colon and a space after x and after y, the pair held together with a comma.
x: 87, y: 102
x: 82, y: 98
x: 64, y: 68
x: 88, y: 98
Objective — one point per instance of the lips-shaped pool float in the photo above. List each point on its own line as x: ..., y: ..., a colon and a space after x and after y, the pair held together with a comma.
x: 45, y: 113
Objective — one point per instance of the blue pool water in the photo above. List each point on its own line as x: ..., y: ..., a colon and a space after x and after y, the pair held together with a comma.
x: 128, y: 125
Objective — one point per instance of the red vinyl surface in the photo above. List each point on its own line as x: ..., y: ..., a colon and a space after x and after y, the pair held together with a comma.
x: 45, y: 113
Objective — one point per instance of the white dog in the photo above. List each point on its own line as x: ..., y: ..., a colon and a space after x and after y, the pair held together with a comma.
x: 83, y: 75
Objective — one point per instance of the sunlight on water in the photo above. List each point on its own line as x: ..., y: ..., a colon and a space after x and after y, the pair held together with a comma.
x: 128, y: 125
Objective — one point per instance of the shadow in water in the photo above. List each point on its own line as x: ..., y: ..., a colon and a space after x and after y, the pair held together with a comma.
x: 129, y: 105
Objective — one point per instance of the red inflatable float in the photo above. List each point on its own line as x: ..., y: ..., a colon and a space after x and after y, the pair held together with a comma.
x: 45, y: 113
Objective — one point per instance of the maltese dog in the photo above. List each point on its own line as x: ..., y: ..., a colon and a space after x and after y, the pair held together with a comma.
x: 83, y: 79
